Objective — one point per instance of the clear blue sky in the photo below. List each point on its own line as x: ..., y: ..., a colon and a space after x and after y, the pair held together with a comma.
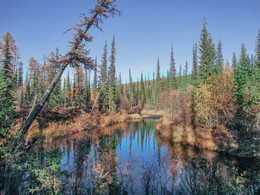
x: 144, y: 32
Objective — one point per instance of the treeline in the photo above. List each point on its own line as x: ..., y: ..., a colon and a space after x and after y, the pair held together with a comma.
x: 238, y: 83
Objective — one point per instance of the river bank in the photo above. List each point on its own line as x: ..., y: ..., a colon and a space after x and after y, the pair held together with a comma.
x: 53, y: 124
x: 245, y: 145
x: 63, y: 122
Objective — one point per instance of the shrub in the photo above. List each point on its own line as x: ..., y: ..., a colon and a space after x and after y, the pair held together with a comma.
x: 213, y: 100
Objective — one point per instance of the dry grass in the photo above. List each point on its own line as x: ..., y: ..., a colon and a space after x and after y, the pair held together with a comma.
x: 135, y: 116
x: 149, y: 112
x: 200, y: 138
x: 96, y: 122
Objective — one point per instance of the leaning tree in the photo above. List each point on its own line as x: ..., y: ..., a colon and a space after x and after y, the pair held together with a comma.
x: 77, y: 54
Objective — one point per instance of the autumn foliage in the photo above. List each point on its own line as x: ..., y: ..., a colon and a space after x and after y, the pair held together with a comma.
x: 213, y: 102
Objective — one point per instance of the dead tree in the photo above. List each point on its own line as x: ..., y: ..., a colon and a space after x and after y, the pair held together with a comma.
x: 77, y: 55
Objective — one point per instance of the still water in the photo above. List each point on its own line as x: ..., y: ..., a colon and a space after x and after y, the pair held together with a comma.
x: 134, y: 160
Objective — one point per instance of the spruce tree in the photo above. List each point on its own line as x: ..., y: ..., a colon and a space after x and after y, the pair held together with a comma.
x: 194, y: 62
x: 186, y: 77
x: 103, y: 82
x: 27, y: 90
x: 241, y: 81
x: 95, y: 80
x: 53, y: 67
x: 168, y: 81
x: 7, y: 113
x: 64, y: 93
x: 186, y: 69
x: 180, y: 77
x: 219, y: 59
x: 20, y: 74
x: 68, y: 91
x: 159, y: 84
x: 20, y: 84
x: 74, y: 91
x: 172, y: 75
x: 119, y: 89
x: 147, y: 88
x: 137, y: 91
x: 9, y: 54
x: 86, y: 91
x: 257, y: 59
x: 207, y: 54
x: 234, y: 60
x: 7, y: 67
x: 142, y: 88
x: 77, y: 53
x: 34, y: 78
x: 131, y: 89
x: 153, y: 91
x: 112, y: 78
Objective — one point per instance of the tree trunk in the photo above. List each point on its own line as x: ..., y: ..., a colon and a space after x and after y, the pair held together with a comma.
x: 104, y: 9
x: 36, y: 110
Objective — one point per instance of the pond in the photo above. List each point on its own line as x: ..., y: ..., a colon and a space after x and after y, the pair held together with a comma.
x: 132, y: 160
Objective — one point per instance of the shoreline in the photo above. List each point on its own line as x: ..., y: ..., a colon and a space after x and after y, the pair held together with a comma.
x: 222, y: 141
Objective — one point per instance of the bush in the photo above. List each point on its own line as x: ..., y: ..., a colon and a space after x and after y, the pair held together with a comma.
x: 213, y: 100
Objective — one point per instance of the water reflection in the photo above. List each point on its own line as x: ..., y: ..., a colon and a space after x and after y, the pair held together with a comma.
x: 132, y: 160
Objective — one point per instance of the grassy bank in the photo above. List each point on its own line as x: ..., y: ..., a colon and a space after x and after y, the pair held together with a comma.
x: 54, y: 124
x: 220, y: 140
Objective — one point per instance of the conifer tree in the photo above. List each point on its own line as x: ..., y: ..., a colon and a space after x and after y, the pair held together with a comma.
x: 207, y: 54
x: 20, y: 74
x: 131, y: 89
x: 8, y: 52
x: 7, y: 113
x: 172, y: 75
x: 9, y: 55
x: 241, y: 81
x: 186, y: 69
x: 119, y: 89
x: 34, y: 78
x: 219, y: 59
x: 234, y: 60
x: 252, y: 60
x: 74, y: 91
x: 147, y: 88
x: 186, y: 77
x: 27, y: 90
x: 68, y: 91
x: 153, y: 91
x: 95, y: 80
x: 79, y: 95
x: 168, y: 80
x: 180, y: 77
x: 112, y: 78
x: 159, y: 86
x: 86, y: 95
x: 142, y: 88
x: 53, y: 68
x: 103, y: 81
x: 194, y: 62
x: 137, y: 92
x: 257, y: 59
x: 64, y: 96
x: 77, y: 53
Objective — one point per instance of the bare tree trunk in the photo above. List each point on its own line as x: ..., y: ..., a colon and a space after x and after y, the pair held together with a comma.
x: 41, y: 103
x: 36, y: 110
x: 103, y: 9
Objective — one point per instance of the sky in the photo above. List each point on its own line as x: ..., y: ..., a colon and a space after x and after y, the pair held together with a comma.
x: 143, y: 33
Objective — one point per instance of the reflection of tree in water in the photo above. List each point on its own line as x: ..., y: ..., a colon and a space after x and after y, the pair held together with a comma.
x: 213, y: 175
x: 81, y: 154
x: 89, y: 165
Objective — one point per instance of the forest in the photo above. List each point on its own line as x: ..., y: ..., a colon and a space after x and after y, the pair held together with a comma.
x: 214, y: 106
